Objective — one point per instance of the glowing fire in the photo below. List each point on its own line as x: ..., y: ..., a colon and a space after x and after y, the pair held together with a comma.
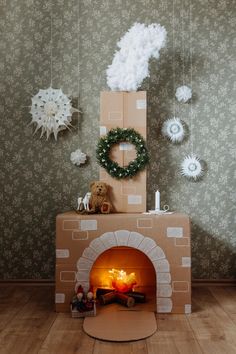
x: 121, y: 281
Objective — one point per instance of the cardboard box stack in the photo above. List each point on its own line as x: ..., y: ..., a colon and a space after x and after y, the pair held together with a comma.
x: 124, y: 110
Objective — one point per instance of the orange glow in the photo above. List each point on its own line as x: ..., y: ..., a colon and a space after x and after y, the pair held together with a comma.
x: 121, y: 281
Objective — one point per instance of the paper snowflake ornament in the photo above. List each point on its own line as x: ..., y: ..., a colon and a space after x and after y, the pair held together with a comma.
x: 173, y: 129
x: 78, y: 157
x: 130, y: 63
x: 51, y: 111
x: 191, y: 167
x: 183, y: 94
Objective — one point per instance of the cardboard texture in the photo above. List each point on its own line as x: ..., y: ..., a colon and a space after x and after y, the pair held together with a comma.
x: 83, y: 240
x: 124, y: 110
x: 121, y: 326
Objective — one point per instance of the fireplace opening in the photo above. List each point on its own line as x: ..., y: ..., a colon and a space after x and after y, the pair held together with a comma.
x: 124, y: 270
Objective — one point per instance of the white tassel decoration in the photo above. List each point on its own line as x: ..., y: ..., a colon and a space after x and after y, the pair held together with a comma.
x: 191, y: 167
x: 173, y: 129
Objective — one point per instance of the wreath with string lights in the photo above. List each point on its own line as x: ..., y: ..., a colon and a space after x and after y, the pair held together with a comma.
x: 116, y: 136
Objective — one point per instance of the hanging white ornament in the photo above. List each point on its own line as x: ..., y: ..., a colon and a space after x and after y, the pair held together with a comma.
x: 173, y: 129
x: 78, y: 157
x: 191, y: 167
x: 183, y: 93
x: 51, y: 110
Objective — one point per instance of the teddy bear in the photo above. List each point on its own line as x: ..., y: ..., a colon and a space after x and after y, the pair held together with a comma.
x: 99, y: 200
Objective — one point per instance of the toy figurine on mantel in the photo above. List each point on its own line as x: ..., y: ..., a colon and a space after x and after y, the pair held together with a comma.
x: 83, y: 203
x: 158, y: 209
x: 95, y: 201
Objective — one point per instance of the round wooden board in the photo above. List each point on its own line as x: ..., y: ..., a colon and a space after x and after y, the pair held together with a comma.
x: 120, y: 326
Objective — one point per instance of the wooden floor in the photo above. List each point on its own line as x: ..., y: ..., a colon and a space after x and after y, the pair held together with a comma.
x: 28, y: 324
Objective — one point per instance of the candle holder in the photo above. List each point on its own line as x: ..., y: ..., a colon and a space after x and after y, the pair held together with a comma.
x: 160, y: 211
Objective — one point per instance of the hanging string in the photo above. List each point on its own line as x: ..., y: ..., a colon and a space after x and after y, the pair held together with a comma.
x: 78, y: 55
x: 191, y: 73
x: 183, y: 48
x: 191, y: 165
x: 51, y: 44
x: 173, y: 56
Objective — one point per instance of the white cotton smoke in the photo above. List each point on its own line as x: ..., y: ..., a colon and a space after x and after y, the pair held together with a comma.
x: 130, y: 63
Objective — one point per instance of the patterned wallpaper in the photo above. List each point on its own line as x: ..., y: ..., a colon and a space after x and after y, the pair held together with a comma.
x: 37, y: 178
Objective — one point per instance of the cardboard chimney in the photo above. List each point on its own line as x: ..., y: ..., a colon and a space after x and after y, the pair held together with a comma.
x: 124, y: 110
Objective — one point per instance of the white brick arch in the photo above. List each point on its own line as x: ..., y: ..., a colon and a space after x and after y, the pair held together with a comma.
x: 137, y: 241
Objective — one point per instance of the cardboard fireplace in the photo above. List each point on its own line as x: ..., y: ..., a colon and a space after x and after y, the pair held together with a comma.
x: 155, y: 247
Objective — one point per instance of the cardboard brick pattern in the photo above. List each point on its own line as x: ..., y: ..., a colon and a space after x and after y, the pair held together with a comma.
x: 124, y: 110
x: 153, y: 235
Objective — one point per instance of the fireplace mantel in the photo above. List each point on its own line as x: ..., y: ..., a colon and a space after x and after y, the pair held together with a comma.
x: 164, y: 239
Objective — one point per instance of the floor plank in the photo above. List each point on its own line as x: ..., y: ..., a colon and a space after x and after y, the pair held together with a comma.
x: 174, y: 346
x: 226, y: 298
x: 29, y: 327
x: 66, y: 336
x: 12, y: 299
x: 212, y: 327
x: 174, y: 335
x: 138, y: 347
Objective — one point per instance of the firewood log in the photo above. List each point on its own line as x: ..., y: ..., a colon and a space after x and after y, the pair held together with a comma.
x: 125, y: 300
x: 107, y: 298
x: 103, y: 291
x: 138, y: 296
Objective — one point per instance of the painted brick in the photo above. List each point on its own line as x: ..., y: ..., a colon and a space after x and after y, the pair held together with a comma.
x: 70, y: 225
x: 143, y: 223
x: 79, y: 235
x: 180, y: 286
x: 183, y: 241
x: 174, y: 232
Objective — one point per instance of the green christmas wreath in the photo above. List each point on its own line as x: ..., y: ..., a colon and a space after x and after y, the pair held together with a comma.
x: 116, y: 136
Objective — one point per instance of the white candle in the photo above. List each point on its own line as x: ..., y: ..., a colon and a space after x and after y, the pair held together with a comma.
x: 157, y: 200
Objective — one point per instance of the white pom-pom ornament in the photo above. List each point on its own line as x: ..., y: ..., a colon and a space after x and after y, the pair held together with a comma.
x: 191, y: 167
x: 78, y: 157
x: 183, y: 94
x: 51, y: 111
x: 173, y: 129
